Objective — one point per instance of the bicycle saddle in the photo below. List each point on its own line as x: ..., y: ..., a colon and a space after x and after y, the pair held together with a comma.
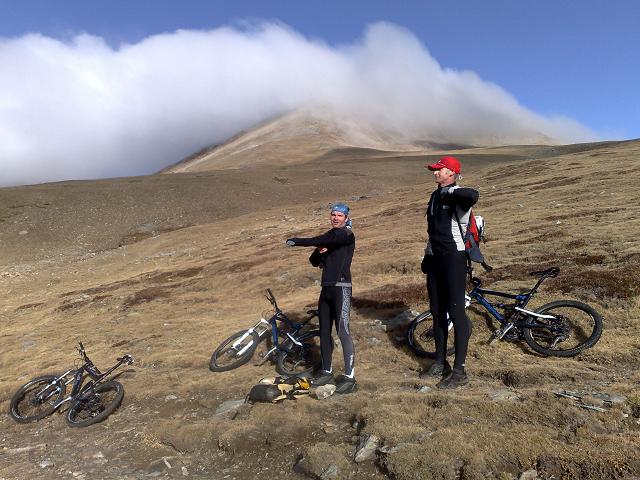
x: 550, y: 272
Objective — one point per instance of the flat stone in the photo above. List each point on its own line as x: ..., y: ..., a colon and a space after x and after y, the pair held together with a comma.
x: 424, y: 389
x: 610, y: 397
x: 170, y: 397
x: 229, y: 407
x: 503, y: 395
x: 388, y: 449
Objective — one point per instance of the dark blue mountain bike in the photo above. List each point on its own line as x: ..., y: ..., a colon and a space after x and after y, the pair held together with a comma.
x: 294, y: 346
x: 562, y: 328
x: 94, y: 395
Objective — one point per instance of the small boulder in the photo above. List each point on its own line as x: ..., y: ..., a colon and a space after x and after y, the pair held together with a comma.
x: 324, y: 391
x: 529, y: 475
x: 366, y: 448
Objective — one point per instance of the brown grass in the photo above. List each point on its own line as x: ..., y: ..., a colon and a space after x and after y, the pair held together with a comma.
x: 171, y: 299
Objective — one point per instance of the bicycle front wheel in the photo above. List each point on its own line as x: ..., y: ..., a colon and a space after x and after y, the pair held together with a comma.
x: 573, y: 327
x: 301, y: 360
x: 234, y: 351
x: 420, y: 336
x: 36, y: 399
x: 97, y: 405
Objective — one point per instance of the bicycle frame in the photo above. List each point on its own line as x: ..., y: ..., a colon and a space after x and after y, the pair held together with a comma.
x: 478, y: 293
x: 78, y: 375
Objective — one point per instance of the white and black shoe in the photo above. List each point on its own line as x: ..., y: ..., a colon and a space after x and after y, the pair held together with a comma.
x: 346, y: 385
x: 325, y: 378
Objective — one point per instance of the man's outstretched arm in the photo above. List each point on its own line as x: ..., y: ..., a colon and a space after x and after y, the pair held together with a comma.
x: 333, y: 238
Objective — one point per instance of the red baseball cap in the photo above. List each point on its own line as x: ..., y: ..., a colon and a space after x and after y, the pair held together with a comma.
x: 451, y: 163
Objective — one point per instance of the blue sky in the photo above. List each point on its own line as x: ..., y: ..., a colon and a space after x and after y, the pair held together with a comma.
x: 94, y: 89
x: 575, y: 58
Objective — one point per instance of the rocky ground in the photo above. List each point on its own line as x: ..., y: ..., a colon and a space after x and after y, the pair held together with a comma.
x: 166, y: 267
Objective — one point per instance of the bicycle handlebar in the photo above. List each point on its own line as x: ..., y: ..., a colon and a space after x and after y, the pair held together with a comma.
x: 272, y: 299
x: 128, y: 359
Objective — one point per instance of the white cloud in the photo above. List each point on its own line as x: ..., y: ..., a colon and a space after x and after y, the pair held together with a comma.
x: 85, y: 110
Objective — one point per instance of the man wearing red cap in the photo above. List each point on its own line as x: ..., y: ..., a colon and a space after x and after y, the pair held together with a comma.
x: 445, y: 264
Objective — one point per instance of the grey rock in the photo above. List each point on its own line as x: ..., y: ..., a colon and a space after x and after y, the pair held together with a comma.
x: 611, y: 398
x: 377, y: 325
x: 185, y: 472
x: 157, y: 466
x: 46, y: 463
x: 27, y: 344
x: 366, y: 448
x: 503, y: 394
x: 398, y: 322
x: 170, y: 397
x: 388, y: 449
x: 324, y: 391
x: 529, y: 475
x: 330, y: 472
x: 374, y: 341
x: 424, y: 389
x: 229, y: 407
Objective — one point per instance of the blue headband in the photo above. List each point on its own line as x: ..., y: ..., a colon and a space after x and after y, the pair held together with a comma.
x: 340, y: 207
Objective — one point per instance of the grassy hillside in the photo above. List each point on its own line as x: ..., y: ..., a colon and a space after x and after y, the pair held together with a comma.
x: 166, y: 267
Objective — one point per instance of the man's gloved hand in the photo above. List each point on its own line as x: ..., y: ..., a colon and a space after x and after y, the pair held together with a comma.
x: 291, y: 242
x: 423, y: 265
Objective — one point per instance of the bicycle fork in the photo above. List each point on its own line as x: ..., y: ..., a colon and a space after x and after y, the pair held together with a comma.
x: 246, y: 334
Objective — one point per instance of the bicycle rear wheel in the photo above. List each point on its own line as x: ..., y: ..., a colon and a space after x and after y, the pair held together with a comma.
x: 301, y: 360
x: 234, y: 351
x: 420, y: 336
x: 97, y: 405
x: 36, y: 399
x: 574, y: 327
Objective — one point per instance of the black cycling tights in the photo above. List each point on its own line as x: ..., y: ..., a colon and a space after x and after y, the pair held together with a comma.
x: 446, y: 281
x: 334, y: 305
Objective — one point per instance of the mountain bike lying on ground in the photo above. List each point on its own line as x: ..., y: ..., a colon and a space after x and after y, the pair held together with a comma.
x: 562, y: 328
x: 294, y: 346
x: 92, y: 401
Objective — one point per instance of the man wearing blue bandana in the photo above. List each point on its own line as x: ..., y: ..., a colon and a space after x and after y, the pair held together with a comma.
x: 333, y: 254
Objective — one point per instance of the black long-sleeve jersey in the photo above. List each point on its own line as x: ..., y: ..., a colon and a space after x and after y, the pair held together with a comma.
x: 442, y: 225
x: 336, y: 261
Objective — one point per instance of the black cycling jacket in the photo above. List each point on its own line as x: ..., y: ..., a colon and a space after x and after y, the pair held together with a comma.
x: 336, y: 261
x: 442, y: 226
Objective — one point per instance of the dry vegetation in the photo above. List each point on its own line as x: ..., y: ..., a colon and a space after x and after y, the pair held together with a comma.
x: 168, y: 296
